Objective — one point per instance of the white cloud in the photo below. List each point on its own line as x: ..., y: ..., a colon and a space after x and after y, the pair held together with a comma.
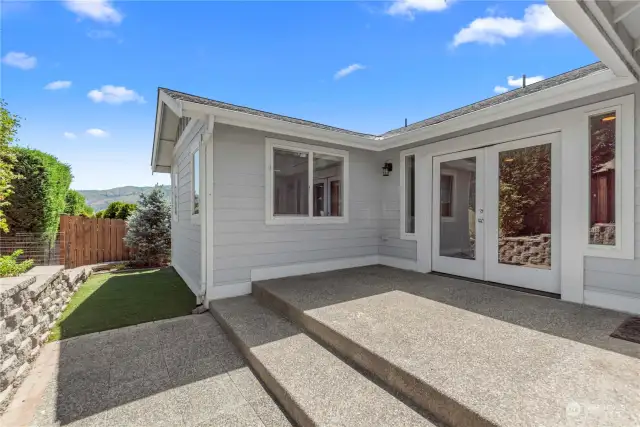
x: 408, y: 8
x: 348, y: 70
x: 20, y: 60
x: 69, y: 135
x: 538, y: 19
x: 115, y: 95
x: 97, y: 132
x: 98, y: 10
x: 101, y: 34
x: 58, y: 84
x: 517, y: 81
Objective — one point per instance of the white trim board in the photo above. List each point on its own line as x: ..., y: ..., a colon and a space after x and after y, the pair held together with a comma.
x: 276, y: 272
x: 612, y: 301
x: 300, y: 269
x: 228, y: 291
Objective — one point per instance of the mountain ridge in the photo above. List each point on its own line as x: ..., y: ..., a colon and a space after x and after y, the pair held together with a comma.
x: 100, y: 199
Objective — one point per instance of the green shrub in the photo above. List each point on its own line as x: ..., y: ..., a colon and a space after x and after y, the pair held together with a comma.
x: 100, y: 214
x: 112, y: 210
x: 38, y: 198
x: 126, y: 211
x: 9, y: 265
x: 119, y: 210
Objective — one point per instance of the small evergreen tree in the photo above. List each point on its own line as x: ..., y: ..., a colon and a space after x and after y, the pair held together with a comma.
x: 149, y: 230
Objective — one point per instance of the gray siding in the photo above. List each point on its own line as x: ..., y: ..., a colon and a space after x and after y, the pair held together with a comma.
x: 617, y: 275
x: 242, y: 240
x: 185, y: 236
x: 391, y: 244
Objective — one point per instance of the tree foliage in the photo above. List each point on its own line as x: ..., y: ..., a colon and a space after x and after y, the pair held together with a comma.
x: 149, y: 230
x: 9, y: 124
x: 39, y: 197
x: 525, y: 191
x: 74, y: 203
x: 118, y: 210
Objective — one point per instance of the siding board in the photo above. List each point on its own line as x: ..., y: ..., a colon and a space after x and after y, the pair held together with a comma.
x: 242, y: 240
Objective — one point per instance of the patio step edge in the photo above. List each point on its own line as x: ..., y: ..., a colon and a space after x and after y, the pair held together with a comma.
x: 279, y: 375
x: 426, y: 397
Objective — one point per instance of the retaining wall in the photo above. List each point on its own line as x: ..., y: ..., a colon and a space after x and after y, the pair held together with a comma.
x: 29, y: 306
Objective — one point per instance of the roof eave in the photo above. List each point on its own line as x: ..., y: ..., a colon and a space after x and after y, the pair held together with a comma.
x: 592, y: 84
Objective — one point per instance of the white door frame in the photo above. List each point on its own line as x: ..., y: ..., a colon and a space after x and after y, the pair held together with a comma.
x: 526, y: 277
x: 473, y: 268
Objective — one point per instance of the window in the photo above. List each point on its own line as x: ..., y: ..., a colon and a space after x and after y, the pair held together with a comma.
x: 175, y: 197
x: 446, y: 195
x: 409, y: 194
x: 195, y: 183
x: 305, y: 183
x: 602, y: 182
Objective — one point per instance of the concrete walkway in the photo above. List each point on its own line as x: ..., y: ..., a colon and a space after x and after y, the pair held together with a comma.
x: 180, y: 371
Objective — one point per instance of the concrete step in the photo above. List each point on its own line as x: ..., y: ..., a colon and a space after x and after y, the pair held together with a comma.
x: 315, y: 387
x: 464, y: 368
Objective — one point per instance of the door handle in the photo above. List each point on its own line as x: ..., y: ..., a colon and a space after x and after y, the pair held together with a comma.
x: 480, y: 220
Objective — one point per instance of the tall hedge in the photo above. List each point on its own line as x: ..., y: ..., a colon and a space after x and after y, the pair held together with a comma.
x: 39, y: 197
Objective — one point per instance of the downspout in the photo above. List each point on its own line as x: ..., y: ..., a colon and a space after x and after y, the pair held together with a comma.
x: 206, y: 210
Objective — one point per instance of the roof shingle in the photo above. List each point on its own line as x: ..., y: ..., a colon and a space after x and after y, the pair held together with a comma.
x: 486, y: 103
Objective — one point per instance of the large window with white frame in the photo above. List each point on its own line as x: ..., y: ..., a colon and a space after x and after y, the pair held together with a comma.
x: 305, y: 183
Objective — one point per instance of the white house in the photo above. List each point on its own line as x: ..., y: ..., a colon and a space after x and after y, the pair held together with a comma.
x: 258, y: 195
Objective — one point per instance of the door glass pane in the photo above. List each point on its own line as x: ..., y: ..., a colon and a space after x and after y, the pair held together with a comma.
x: 290, y: 183
x: 602, y: 227
x: 458, y: 208
x: 524, y: 207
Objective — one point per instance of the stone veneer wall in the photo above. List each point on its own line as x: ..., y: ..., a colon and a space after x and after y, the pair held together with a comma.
x: 534, y: 250
x: 29, y: 306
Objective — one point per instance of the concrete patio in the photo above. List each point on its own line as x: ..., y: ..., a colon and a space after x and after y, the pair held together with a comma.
x: 468, y: 353
x: 181, y: 371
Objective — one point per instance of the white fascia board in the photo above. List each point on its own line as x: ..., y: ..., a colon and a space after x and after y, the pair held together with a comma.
x: 593, y: 84
x: 603, y: 81
x: 571, y: 13
x: 173, y: 104
x: 603, y: 12
x: 237, y: 118
x: 156, y: 135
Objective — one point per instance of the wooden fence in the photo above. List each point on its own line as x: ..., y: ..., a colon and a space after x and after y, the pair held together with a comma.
x: 87, y: 241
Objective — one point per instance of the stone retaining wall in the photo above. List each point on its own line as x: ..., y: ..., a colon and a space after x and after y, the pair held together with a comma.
x: 602, y: 234
x: 533, y: 250
x: 29, y: 306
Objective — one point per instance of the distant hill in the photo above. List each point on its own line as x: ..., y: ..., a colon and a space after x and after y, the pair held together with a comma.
x: 100, y: 199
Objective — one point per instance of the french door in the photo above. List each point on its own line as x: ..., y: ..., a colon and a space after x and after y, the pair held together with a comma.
x: 496, y: 213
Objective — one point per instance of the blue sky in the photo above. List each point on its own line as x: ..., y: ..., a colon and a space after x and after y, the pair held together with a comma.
x: 363, y: 66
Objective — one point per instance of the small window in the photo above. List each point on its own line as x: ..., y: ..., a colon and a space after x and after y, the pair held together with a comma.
x: 175, y: 196
x: 305, y: 183
x: 602, y: 184
x: 410, y: 194
x: 446, y: 196
x: 195, y: 183
x: 290, y: 183
x: 327, y: 176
